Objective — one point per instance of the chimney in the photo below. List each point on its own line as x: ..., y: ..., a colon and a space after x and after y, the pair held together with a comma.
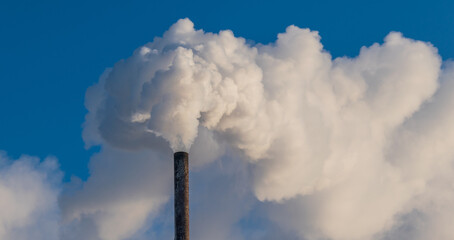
x: 181, y: 182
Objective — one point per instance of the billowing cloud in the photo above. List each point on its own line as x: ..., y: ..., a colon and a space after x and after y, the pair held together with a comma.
x: 285, y: 142
x: 28, y: 198
x: 330, y: 142
x: 123, y: 191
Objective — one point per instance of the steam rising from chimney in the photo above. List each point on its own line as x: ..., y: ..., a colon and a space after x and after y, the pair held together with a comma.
x: 331, y: 139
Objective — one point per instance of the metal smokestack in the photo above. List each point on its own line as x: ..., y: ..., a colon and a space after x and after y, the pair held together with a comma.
x: 181, y: 182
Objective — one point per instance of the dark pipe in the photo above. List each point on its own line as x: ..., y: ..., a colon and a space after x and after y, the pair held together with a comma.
x: 181, y: 182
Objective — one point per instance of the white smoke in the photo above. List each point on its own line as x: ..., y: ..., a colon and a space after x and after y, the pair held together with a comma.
x: 285, y: 143
x: 347, y: 149
x: 28, y: 198
x: 124, y: 190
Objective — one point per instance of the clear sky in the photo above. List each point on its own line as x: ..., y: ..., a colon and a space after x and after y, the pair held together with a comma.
x: 52, y: 51
x: 291, y: 142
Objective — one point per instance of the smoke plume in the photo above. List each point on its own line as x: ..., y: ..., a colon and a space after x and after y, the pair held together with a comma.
x: 28, y: 198
x: 285, y: 141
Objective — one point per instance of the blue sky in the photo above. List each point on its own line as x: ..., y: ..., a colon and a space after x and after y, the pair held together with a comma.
x: 52, y: 51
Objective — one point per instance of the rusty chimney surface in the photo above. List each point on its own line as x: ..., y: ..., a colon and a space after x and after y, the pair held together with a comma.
x: 181, y: 182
